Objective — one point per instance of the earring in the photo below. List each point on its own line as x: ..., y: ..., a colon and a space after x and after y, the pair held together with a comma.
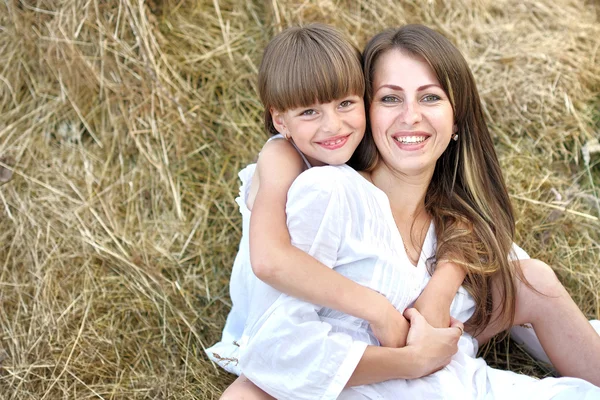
x: 455, y: 137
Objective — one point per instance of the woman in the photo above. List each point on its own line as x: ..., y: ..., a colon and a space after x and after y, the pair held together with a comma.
x: 467, y: 185
x: 433, y: 175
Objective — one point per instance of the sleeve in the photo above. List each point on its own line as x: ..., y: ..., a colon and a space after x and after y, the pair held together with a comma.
x: 291, y: 353
x: 517, y: 253
x: 315, y: 209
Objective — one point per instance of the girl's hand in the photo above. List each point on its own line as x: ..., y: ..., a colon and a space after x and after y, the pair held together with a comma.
x: 391, y: 328
x: 434, y: 347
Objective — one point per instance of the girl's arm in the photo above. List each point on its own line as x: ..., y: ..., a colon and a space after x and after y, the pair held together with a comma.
x: 292, y: 353
x: 290, y: 270
x: 435, y: 301
x: 427, y: 350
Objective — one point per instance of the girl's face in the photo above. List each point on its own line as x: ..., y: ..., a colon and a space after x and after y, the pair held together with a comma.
x: 327, y: 133
x: 411, y: 117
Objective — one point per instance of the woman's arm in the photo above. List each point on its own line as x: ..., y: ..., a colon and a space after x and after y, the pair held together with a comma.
x: 290, y: 270
x: 435, y: 301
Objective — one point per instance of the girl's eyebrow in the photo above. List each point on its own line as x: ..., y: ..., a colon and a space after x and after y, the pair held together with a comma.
x: 399, y: 88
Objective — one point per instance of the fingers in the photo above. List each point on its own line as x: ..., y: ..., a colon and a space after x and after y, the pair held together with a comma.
x: 411, y: 314
x: 454, y: 323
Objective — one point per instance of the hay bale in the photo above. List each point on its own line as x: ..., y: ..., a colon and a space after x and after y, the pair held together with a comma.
x: 123, y: 125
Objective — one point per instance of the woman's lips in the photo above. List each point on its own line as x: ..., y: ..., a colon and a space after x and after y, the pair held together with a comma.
x: 412, y: 141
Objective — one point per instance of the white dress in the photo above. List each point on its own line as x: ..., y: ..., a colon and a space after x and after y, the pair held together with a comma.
x: 292, y: 349
x: 250, y: 297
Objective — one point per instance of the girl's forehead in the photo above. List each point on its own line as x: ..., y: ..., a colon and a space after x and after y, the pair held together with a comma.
x: 303, y: 101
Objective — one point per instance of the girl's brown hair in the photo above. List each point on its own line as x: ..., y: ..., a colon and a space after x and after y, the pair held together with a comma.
x: 467, y: 196
x: 307, y: 65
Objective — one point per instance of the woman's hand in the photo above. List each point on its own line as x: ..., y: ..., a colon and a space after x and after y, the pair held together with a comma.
x: 391, y: 327
x: 433, y: 347
x: 427, y: 350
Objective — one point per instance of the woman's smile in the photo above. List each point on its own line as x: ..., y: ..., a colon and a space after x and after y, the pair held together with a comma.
x: 411, y: 140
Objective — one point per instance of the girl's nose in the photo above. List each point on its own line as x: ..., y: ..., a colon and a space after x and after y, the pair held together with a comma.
x: 331, y: 122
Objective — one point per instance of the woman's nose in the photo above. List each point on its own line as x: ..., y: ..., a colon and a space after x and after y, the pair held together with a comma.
x: 411, y: 113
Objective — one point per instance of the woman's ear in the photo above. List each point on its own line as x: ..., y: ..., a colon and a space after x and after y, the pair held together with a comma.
x: 279, y: 122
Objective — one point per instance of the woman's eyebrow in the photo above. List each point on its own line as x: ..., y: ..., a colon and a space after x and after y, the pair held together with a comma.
x: 399, y: 88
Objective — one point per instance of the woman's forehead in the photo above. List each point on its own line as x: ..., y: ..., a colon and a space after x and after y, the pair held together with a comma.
x: 403, y: 70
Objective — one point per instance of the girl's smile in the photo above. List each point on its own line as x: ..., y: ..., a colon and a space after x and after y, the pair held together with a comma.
x: 327, y: 133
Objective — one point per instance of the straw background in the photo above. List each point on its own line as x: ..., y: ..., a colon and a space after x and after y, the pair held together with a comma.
x: 123, y: 125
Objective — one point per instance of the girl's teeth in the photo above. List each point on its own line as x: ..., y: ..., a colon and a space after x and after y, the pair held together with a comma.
x: 333, y: 142
x: 410, y: 139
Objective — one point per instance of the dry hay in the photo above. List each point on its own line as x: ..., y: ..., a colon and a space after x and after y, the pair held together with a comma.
x: 123, y: 125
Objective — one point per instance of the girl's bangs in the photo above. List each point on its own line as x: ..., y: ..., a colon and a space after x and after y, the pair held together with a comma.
x: 317, y: 79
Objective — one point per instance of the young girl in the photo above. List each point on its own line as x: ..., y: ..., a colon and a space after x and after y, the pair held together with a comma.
x: 311, y: 85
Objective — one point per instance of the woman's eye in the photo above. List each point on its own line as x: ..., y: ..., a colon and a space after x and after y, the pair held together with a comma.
x: 390, y: 99
x: 431, y: 98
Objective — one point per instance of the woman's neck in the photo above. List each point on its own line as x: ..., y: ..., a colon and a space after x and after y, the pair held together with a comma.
x: 406, y: 193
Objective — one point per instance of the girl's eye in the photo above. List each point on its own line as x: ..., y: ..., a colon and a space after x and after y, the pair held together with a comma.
x: 345, y: 103
x: 431, y: 98
x: 308, y: 112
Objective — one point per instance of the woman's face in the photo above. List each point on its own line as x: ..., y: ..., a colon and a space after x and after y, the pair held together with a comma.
x: 411, y: 117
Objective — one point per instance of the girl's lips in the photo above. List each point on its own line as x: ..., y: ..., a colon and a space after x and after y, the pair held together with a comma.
x: 334, y: 143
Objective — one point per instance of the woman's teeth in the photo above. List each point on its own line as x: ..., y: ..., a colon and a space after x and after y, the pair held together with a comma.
x: 410, y: 139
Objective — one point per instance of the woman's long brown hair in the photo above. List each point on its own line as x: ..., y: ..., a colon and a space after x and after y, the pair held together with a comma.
x: 467, y: 197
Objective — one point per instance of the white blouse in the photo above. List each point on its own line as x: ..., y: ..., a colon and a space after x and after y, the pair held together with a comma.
x: 296, y: 350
